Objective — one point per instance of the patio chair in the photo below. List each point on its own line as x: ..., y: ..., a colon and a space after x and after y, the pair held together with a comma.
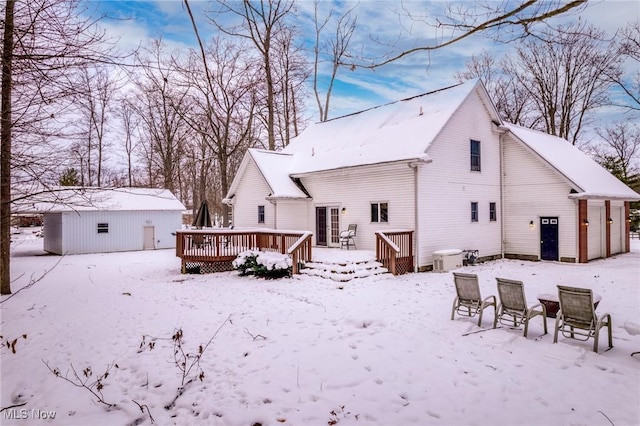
x: 347, y: 237
x: 513, y: 310
x: 468, y: 300
x: 577, y: 317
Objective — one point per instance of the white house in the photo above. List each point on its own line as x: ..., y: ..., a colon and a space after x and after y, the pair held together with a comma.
x: 92, y: 220
x: 445, y: 166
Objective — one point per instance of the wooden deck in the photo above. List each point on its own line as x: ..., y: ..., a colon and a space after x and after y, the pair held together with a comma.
x: 213, y: 250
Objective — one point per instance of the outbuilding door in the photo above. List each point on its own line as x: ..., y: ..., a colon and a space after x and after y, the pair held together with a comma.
x: 328, y: 226
x: 149, y: 238
x: 549, y: 238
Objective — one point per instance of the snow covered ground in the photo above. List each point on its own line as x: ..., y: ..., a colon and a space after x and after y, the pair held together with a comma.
x: 304, y: 351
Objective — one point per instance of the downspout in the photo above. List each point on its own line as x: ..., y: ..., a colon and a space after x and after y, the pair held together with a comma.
x: 502, y: 130
x: 416, y: 223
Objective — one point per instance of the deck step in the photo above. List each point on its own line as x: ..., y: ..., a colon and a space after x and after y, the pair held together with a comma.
x: 343, y: 271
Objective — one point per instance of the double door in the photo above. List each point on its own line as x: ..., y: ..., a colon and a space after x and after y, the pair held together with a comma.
x: 328, y: 226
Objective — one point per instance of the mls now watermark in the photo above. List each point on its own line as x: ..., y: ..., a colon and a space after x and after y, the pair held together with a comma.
x: 25, y: 414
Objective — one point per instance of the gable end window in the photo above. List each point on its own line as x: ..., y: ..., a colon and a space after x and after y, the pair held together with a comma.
x: 474, y: 212
x: 492, y: 212
x: 475, y: 155
x: 379, y: 212
x: 103, y: 228
x: 260, y: 214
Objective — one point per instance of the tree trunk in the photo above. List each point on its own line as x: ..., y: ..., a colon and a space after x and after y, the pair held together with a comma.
x: 5, y: 151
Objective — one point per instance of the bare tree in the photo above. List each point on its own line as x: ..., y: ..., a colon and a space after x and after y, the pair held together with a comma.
x: 160, y: 97
x: 335, y: 48
x: 509, y: 97
x: 261, y: 22
x: 45, y: 43
x: 129, y: 124
x: 552, y: 83
x: 222, y: 113
x: 292, y: 73
x: 94, y: 104
x: 629, y: 48
x: 619, y: 151
x: 504, y: 21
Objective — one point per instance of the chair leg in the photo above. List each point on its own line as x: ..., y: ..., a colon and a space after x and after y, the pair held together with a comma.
x: 555, y: 331
x: 453, y: 309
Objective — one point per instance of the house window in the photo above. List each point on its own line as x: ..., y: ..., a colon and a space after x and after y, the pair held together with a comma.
x: 103, y: 228
x: 380, y: 212
x: 260, y: 214
x: 492, y: 212
x: 475, y: 155
x: 474, y: 212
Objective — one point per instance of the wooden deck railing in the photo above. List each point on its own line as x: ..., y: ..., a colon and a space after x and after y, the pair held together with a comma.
x: 394, y: 249
x: 217, y: 248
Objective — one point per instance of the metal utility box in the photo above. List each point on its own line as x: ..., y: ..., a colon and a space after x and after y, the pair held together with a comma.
x: 446, y: 260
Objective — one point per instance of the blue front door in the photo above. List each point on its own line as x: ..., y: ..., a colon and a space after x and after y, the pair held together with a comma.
x: 549, y: 238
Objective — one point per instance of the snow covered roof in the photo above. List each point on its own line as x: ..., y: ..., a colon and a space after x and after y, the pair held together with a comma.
x: 274, y: 167
x: 399, y: 131
x: 64, y: 199
x: 590, y: 178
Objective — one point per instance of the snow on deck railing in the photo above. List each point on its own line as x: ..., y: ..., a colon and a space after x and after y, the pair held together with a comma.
x: 300, y: 241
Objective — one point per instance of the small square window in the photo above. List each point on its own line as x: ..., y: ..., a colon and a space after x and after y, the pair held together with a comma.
x: 103, y: 228
x: 260, y: 214
x: 380, y: 212
x: 474, y: 212
x: 492, y: 212
x: 475, y: 155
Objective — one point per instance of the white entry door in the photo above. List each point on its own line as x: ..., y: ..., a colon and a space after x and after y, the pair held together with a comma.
x: 149, y: 238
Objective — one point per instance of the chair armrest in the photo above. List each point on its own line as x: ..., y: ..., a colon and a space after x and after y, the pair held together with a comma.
x: 490, y: 297
x: 604, y: 315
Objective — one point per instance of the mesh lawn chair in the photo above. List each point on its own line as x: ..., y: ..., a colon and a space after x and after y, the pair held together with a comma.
x: 468, y: 301
x: 347, y: 237
x: 577, y: 317
x: 513, y: 310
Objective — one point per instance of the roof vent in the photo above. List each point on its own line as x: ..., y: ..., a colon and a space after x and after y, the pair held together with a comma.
x: 421, y: 113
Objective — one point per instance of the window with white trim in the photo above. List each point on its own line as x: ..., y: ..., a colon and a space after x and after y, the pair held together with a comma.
x: 493, y: 215
x: 474, y: 148
x: 260, y: 214
x: 379, y: 212
x: 474, y: 212
x: 103, y: 228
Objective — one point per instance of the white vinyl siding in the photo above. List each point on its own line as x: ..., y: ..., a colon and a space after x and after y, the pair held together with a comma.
x: 52, y: 228
x: 356, y: 188
x: 292, y: 215
x: 252, y: 192
x: 78, y: 230
x: 596, y: 242
x: 532, y: 189
x: 617, y: 228
x: 447, y: 186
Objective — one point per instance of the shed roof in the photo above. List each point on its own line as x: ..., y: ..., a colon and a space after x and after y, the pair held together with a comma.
x: 66, y: 199
x: 591, y: 179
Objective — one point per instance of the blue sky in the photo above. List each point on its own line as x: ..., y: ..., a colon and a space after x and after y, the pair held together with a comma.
x: 137, y: 21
